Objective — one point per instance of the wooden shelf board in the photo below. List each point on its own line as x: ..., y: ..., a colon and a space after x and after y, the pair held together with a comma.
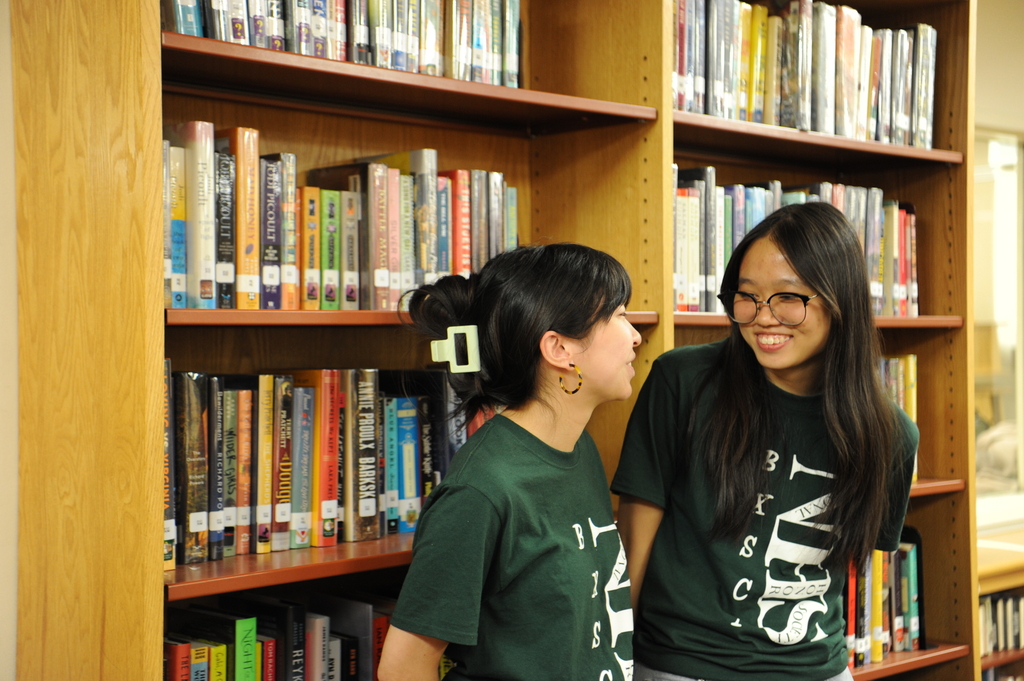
x: 1000, y: 658
x: 180, y: 317
x: 720, y: 137
x: 898, y: 663
x: 213, y: 68
x: 928, y: 486
x: 923, y: 322
x: 267, y: 569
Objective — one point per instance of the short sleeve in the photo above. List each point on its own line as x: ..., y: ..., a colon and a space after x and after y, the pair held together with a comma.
x: 654, y: 437
x: 452, y: 554
x: 905, y: 456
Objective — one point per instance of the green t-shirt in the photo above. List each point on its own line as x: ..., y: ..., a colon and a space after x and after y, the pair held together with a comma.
x: 761, y: 608
x: 518, y: 564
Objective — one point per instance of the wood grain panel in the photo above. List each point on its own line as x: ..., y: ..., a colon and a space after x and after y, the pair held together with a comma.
x: 87, y: 102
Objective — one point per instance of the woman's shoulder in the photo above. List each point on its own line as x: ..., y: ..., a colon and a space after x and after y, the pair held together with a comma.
x: 907, y: 434
x: 689, y: 361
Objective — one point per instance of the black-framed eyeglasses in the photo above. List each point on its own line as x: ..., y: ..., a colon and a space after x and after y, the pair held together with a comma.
x: 790, y: 309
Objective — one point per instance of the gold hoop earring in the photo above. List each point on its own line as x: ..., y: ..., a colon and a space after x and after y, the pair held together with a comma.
x: 579, y: 377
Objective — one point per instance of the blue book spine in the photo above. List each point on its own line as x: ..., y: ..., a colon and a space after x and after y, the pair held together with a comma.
x: 748, y: 209
x: 391, y: 462
x: 188, y: 18
x: 303, y: 400
x: 408, y: 455
x: 178, y: 267
x: 444, y: 228
x: 739, y: 230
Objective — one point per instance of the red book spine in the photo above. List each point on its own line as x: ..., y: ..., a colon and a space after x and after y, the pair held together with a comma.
x: 460, y: 238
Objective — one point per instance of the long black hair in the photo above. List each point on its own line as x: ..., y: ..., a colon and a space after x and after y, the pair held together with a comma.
x: 821, y: 246
x: 516, y: 298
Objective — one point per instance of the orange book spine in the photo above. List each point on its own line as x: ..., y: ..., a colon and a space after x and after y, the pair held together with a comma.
x: 325, y: 452
x: 243, y: 531
x: 461, y: 225
x: 244, y: 143
x: 309, y: 247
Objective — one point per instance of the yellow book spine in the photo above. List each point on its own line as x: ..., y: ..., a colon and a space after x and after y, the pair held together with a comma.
x: 265, y: 464
x: 758, y: 62
x: 743, y: 90
x: 309, y: 248
x: 876, y: 606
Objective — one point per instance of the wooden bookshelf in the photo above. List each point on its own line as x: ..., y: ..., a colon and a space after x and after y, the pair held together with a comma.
x: 1000, y: 658
x: 317, y: 318
x: 900, y: 663
x: 252, y: 571
x: 210, y: 68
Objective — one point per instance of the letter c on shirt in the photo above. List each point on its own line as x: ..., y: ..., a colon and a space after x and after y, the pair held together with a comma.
x: 744, y: 583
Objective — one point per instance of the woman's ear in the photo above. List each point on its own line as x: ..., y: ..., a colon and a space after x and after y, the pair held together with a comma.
x: 556, y: 349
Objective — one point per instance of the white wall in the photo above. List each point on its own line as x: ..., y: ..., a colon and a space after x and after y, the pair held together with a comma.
x: 1000, y: 52
x: 8, y: 360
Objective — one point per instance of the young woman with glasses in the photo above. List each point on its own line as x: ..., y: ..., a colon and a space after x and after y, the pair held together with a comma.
x: 518, y: 571
x: 756, y: 468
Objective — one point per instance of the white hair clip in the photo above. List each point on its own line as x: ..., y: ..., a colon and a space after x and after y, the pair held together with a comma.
x: 461, y: 349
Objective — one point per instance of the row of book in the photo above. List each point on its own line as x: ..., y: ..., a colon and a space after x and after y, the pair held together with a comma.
x: 708, y: 223
x: 239, y: 231
x: 258, y: 637
x: 304, y: 458
x: 993, y: 674
x: 814, y: 66
x: 1000, y: 616
x: 884, y: 603
x: 476, y: 40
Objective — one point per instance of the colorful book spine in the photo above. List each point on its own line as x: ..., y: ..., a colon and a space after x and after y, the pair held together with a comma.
x: 238, y: 18
x: 225, y: 206
x: 290, y: 246
x: 511, y: 218
x: 275, y: 25
x: 458, y: 45
x: 284, y: 466
x: 243, y: 498
x: 361, y: 456
x: 407, y: 233
x: 351, y: 207
x: 167, y: 222
x: 258, y: 23
x: 389, y: 413
x: 230, y: 428
x: 318, y: 28
x: 200, y: 230
x: 377, y: 205
x: 408, y: 462
x: 495, y: 213
x: 243, y: 144
x: 170, y: 525
x: 337, y: 30
x: 479, y: 184
x: 444, y: 221
x: 400, y: 36
x: 431, y: 38
x: 330, y: 225
x: 359, y: 31
x: 215, y: 479
x: 303, y: 408
x: 298, y: 35
x: 270, y: 235
x: 183, y: 16
x: 510, y: 44
x: 178, y: 199
x: 191, y: 466
x: 263, y: 480
x: 481, y: 41
x: 394, y: 226
x: 381, y: 23
x: 309, y: 233
x: 324, y: 464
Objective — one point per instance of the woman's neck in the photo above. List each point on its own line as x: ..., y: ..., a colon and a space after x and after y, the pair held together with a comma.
x: 554, y: 423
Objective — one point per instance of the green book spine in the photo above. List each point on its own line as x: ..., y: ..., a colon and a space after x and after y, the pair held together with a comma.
x: 330, y: 249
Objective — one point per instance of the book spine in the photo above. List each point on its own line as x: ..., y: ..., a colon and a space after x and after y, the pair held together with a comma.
x: 167, y: 222
x: 876, y: 606
x: 478, y: 213
x: 258, y: 23
x: 298, y: 37
x: 362, y: 454
x: 238, y: 22
x: 377, y: 199
x: 191, y: 466
x: 303, y: 406
x: 429, y: 444
x: 170, y: 526
x: 188, y: 20
x: 494, y: 48
x: 461, y: 222
x: 243, y: 500
x: 230, y: 411
x: 215, y: 486
x: 431, y: 38
x: 318, y: 28
x: 324, y: 475
x: 309, y: 229
x: 243, y: 143
x: 381, y: 23
x: 337, y: 30
x: 495, y: 213
x: 270, y: 237
x: 263, y: 479
x: 400, y: 36
x: 458, y: 48
x: 480, y: 41
x: 390, y: 429
x: 275, y: 25
x: 225, y: 206
x: 330, y: 224
x: 351, y: 211
x: 394, y: 227
x: 290, y: 246
x: 408, y: 462
x: 178, y: 198
x: 284, y: 467
x: 444, y: 218
x: 359, y: 31
x: 511, y: 218
x: 423, y: 165
x: 510, y: 44
x: 407, y: 238
x: 217, y: 22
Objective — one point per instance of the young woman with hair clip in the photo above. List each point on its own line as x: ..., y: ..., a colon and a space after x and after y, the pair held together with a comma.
x: 518, y: 571
x: 755, y: 468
